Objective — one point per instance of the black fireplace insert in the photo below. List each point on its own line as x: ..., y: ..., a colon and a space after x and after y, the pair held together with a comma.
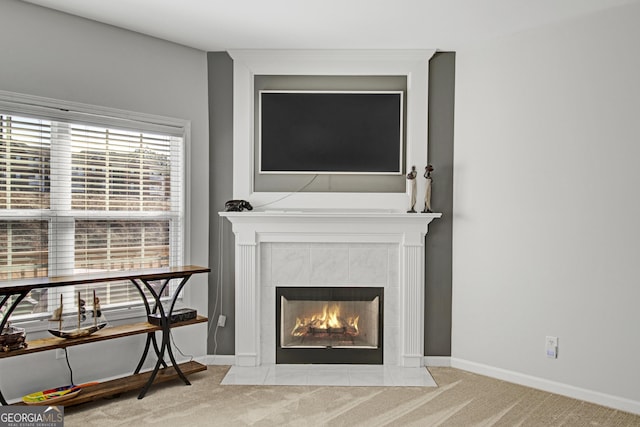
x: 329, y: 325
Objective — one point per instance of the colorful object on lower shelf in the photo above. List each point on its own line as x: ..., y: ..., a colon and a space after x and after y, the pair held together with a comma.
x: 55, y: 395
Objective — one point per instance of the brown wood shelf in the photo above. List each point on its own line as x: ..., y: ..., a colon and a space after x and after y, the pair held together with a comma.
x: 52, y: 343
x: 140, y: 277
x: 129, y: 383
x: 14, y: 286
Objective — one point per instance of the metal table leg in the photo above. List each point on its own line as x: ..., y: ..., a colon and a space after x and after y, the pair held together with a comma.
x: 166, y: 330
x: 151, y: 336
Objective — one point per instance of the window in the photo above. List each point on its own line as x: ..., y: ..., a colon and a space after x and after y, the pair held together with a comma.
x: 85, y: 192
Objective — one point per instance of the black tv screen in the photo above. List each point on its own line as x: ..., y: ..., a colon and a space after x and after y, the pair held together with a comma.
x: 331, y: 132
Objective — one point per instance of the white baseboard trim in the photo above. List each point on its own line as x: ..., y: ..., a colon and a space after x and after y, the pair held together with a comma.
x: 218, y: 359
x: 596, y: 397
x: 444, y: 361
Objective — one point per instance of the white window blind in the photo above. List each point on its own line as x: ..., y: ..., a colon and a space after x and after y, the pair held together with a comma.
x: 82, y: 196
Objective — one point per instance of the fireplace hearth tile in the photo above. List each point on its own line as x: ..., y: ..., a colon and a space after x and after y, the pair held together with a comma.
x: 246, y: 375
x: 330, y: 375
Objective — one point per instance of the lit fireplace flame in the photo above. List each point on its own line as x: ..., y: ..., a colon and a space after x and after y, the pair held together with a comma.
x: 329, y: 321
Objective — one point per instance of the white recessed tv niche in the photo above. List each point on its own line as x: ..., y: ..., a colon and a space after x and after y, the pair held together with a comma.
x: 330, y: 132
x: 250, y: 66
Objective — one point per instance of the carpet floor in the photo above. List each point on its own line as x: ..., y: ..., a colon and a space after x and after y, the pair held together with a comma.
x: 461, y: 399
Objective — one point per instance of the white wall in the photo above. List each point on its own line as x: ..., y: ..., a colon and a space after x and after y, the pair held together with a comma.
x: 55, y: 55
x: 546, y: 227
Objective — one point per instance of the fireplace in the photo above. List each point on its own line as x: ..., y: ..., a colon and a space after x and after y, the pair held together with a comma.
x: 329, y: 325
x: 331, y: 249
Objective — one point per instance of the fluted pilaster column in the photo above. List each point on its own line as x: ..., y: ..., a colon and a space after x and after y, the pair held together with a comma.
x: 247, y: 332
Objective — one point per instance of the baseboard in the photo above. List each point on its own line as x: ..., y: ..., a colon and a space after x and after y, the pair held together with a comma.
x: 217, y: 359
x: 596, y: 397
x: 443, y: 361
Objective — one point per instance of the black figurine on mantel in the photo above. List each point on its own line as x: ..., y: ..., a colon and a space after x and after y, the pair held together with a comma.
x: 411, y: 177
x: 427, y: 189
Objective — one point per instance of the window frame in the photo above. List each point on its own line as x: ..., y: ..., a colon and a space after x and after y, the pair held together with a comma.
x: 73, y: 112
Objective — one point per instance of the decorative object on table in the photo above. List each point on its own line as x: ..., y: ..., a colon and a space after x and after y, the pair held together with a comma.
x: 13, y: 338
x: 411, y: 178
x: 78, y: 327
x: 237, y: 206
x: 55, y: 395
x: 427, y: 189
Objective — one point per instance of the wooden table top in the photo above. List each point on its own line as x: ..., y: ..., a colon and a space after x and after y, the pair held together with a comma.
x: 161, y: 273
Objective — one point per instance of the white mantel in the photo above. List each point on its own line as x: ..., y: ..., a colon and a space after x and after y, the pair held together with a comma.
x: 403, y: 232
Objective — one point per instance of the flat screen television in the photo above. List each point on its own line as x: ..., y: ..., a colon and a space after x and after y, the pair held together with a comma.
x: 331, y: 132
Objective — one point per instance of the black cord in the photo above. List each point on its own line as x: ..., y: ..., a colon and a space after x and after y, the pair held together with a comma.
x: 66, y: 356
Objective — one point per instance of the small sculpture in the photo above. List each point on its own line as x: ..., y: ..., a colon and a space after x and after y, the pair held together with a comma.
x: 411, y: 177
x: 80, y: 327
x: 427, y: 189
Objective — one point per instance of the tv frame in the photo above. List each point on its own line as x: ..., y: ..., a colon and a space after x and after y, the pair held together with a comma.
x: 401, y: 157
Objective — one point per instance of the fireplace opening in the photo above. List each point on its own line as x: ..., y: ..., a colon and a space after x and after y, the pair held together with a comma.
x: 329, y: 325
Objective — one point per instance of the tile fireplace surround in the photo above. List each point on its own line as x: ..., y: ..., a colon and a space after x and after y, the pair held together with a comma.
x: 329, y: 248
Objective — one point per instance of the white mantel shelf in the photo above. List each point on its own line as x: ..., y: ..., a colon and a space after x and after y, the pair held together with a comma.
x: 327, y: 225
x: 404, y: 230
x: 329, y: 215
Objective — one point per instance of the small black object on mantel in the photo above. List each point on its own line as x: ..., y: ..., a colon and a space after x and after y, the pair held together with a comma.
x: 237, y: 206
x: 427, y: 189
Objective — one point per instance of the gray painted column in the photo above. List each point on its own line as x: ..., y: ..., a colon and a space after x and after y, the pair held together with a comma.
x: 220, y: 72
x: 438, y: 245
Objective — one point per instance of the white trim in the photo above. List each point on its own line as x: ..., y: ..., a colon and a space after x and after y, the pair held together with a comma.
x: 440, y: 361
x: 414, y: 64
x: 568, y: 390
x: 69, y: 110
x: 217, y: 359
x: 185, y: 204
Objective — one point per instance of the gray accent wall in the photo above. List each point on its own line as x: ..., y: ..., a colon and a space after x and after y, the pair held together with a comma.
x: 438, y: 244
x: 221, y: 240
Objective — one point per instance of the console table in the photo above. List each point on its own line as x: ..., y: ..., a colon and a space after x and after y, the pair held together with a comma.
x: 141, y: 279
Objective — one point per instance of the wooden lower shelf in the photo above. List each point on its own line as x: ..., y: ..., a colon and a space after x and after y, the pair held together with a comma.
x: 108, y: 333
x: 130, y: 383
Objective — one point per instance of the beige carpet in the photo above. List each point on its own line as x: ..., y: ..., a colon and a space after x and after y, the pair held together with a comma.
x: 462, y: 399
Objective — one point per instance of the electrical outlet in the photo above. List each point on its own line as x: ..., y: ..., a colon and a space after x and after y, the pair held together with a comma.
x: 222, y: 320
x: 60, y: 353
x: 551, y: 346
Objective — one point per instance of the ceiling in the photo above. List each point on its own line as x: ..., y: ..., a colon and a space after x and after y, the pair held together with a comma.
x: 215, y: 25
